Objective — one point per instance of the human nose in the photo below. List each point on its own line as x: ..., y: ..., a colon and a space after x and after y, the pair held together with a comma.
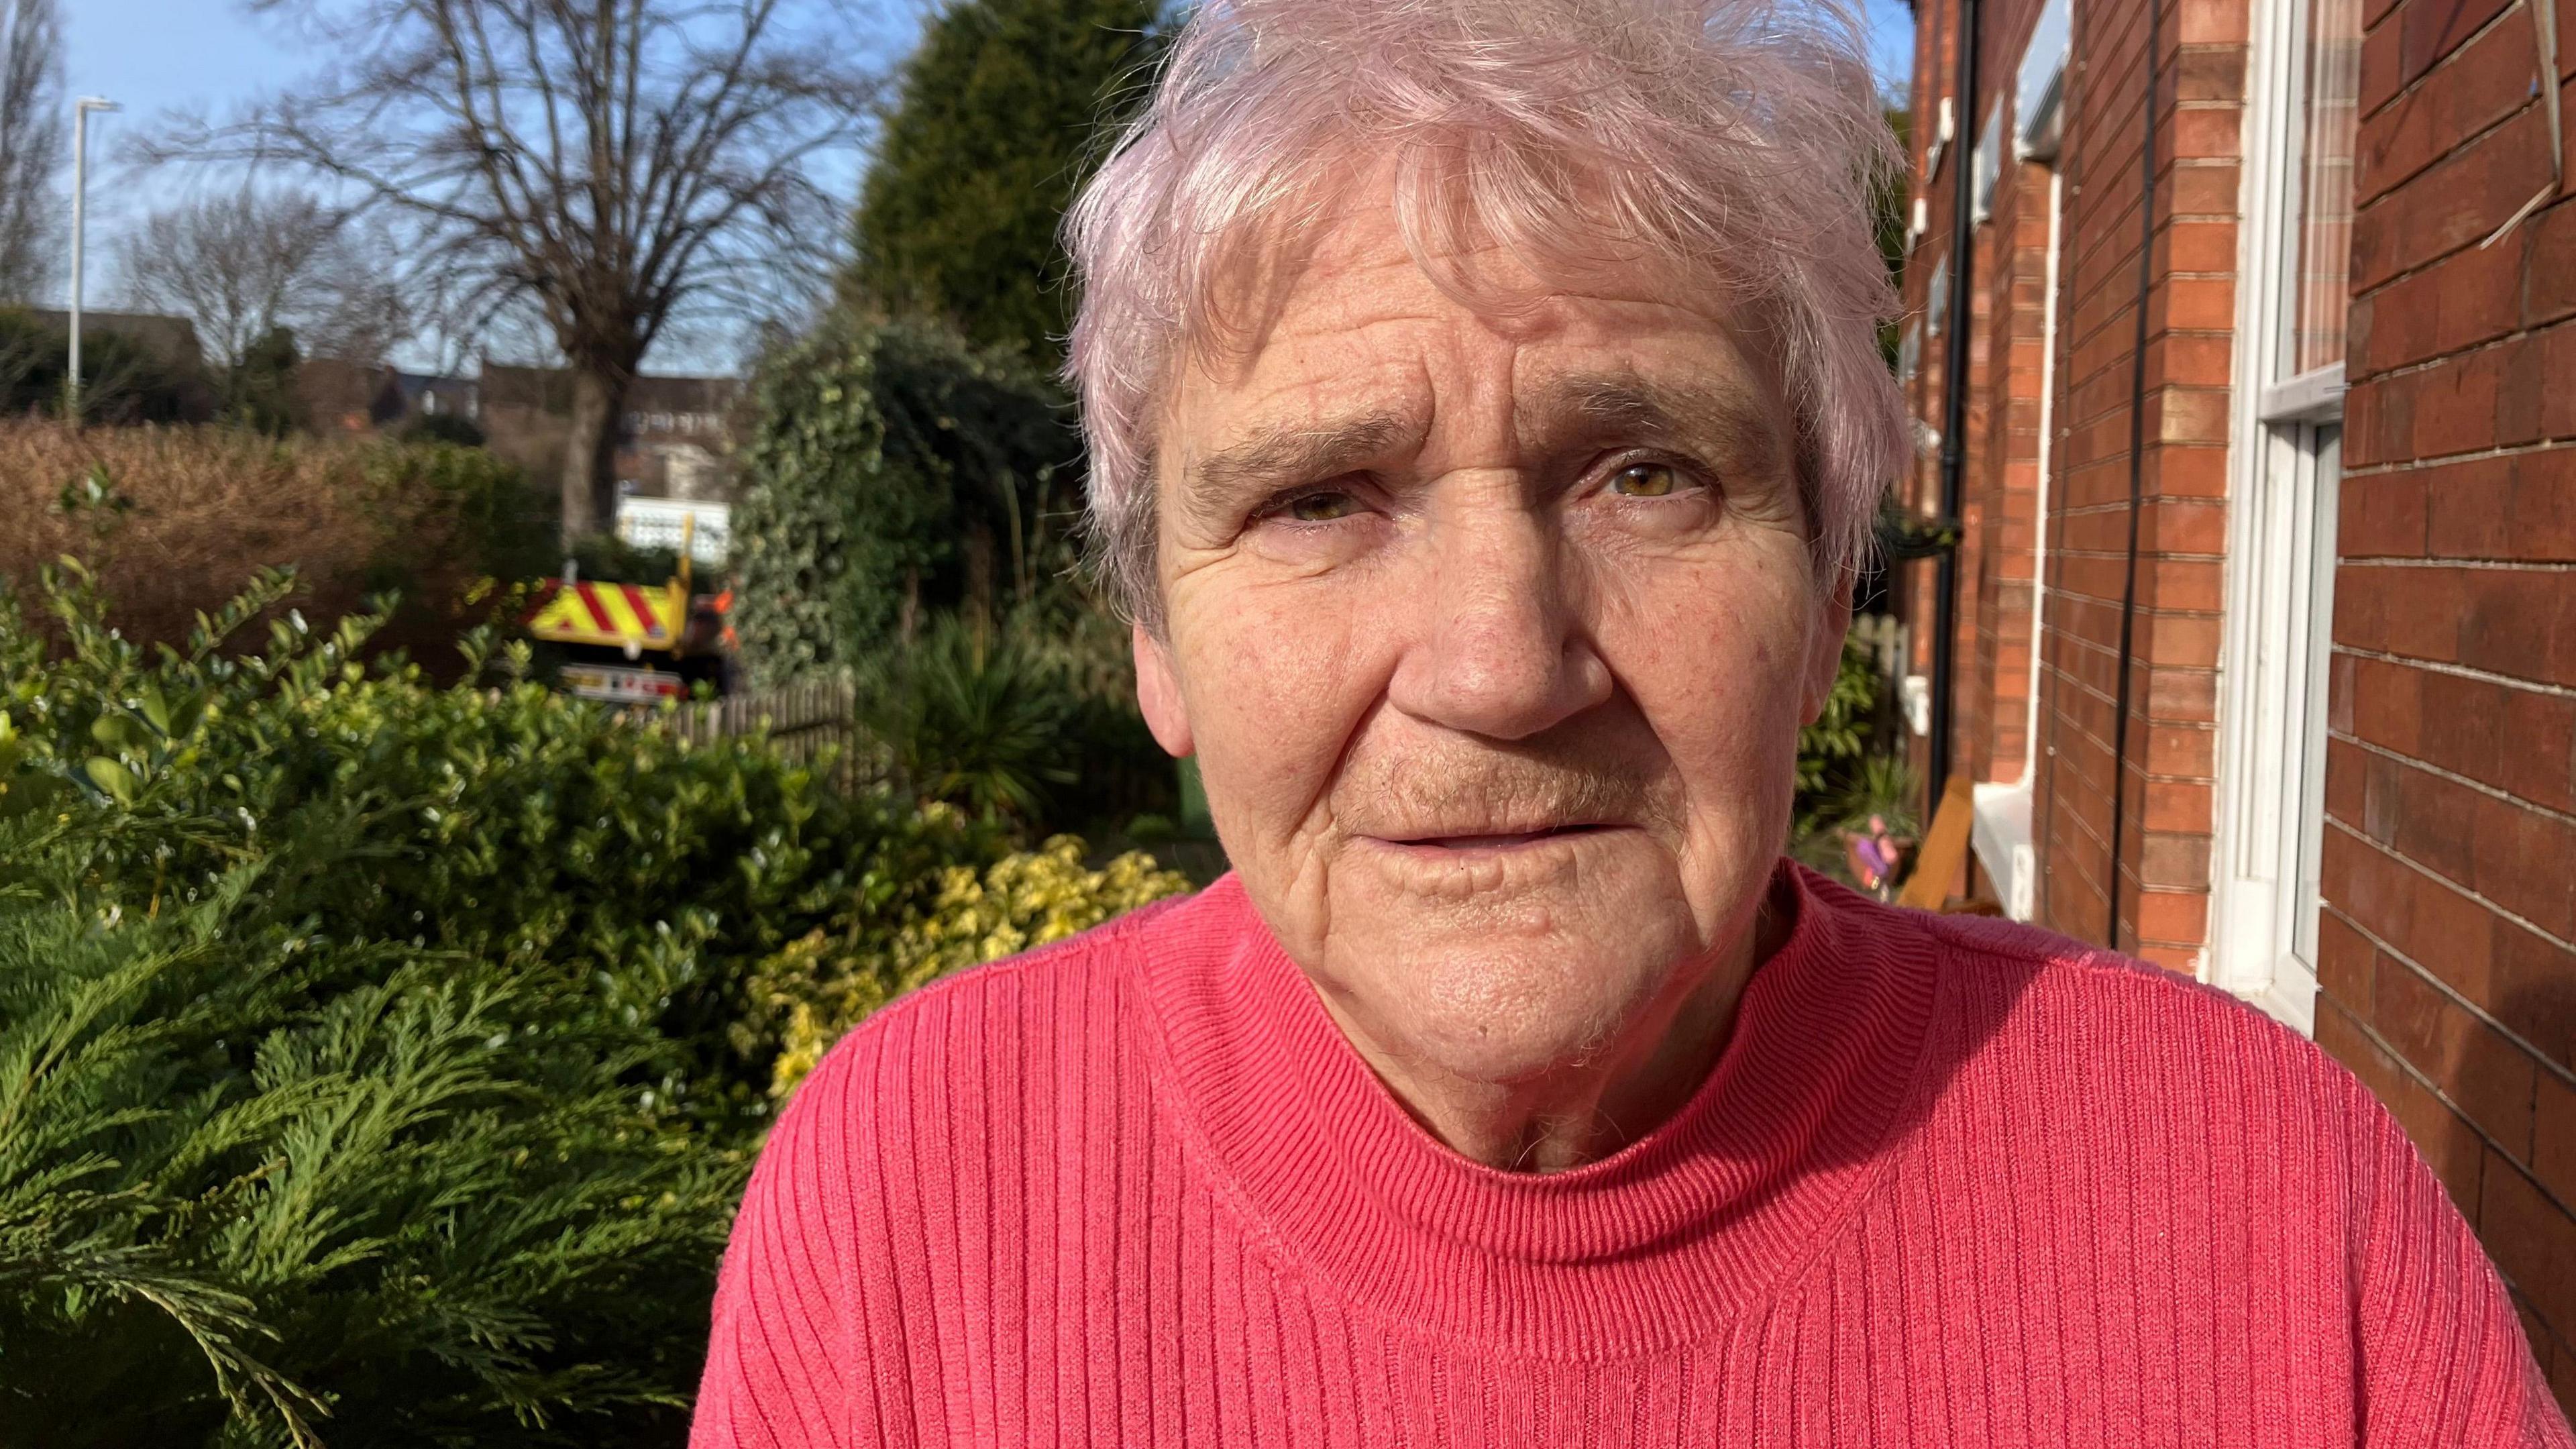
x: 1501, y: 651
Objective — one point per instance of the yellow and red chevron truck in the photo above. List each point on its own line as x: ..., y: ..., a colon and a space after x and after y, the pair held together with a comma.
x: 632, y: 643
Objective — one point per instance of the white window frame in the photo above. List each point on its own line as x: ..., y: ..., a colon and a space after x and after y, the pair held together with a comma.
x: 1990, y: 165
x: 2039, y: 89
x: 2280, y: 568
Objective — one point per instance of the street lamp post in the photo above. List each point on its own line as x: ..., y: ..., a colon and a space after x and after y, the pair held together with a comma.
x: 80, y: 191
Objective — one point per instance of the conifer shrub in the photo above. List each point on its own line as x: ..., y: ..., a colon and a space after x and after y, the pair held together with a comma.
x: 999, y: 116
x: 262, y: 1185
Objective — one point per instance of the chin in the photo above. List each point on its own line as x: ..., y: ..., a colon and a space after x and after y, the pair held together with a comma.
x: 1507, y: 995
x: 1507, y: 965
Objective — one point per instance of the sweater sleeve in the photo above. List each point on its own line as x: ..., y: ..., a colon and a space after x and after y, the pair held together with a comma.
x: 780, y: 1359
x: 2444, y: 1360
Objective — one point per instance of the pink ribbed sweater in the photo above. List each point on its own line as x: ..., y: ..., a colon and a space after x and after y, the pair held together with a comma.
x: 1949, y: 1183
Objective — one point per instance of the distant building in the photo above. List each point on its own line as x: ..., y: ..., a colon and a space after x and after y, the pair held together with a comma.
x: 171, y: 339
x: 408, y: 395
x: 681, y: 434
x: 338, y: 396
x: 675, y: 439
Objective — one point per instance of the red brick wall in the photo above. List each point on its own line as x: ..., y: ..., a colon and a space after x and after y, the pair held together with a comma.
x: 1991, y: 652
x: 1972, y: 641
x: 2171, y: 745
x: 1936, y: 69
x: 2163, y: 866
x: 2447, y: 949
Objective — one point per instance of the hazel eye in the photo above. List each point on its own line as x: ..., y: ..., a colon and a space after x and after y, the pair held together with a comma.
x: 1322, y: 507
x: 1645, y: 480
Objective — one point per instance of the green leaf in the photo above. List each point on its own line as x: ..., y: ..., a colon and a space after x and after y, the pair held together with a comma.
x: 117, y: 732
x: 185, y: 714
x: 112, y: 778
x: 154, y: 709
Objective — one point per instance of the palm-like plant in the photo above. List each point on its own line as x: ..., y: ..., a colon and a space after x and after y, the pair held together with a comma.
x: 976, y: 716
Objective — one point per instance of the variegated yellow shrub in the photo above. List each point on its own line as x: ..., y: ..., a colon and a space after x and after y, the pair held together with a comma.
x: 1020, y: 902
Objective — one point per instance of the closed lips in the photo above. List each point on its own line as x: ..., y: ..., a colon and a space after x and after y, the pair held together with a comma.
x: 1495, y: 840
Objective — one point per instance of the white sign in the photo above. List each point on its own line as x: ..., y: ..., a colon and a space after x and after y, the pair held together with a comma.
x: 614, y: 684
x: 661, y: 522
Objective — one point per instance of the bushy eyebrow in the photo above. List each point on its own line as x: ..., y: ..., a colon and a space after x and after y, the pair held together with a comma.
x: 1719, y: 420
x: 1217, y: 489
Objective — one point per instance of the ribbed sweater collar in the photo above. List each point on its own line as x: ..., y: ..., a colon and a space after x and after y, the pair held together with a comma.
x: 1654, y: 1246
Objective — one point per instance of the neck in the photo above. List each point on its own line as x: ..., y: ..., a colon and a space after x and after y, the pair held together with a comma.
x: 1586, y: 1109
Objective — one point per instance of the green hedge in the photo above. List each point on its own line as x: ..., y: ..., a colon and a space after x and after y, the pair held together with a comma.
x: 895, y: 472
x: 379, y: 1062
x: 122, y: 381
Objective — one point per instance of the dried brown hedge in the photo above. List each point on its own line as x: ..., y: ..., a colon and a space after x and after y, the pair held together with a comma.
x: 190, y: 511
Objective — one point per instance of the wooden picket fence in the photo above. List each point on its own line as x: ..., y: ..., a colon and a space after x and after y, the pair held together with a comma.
x: 800, y: 719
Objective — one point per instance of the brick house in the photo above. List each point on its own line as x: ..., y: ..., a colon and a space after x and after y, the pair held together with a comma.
x: 675, y: 439
x: 2262, y: 644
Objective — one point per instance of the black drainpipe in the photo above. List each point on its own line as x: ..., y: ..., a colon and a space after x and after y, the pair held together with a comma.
x: 1954, y: 406
x: 2137, y: 476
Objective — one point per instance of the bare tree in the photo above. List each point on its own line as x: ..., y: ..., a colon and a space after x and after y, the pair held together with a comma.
x: 31, y: 146
x: 243, y: 265
x: 606, y: 163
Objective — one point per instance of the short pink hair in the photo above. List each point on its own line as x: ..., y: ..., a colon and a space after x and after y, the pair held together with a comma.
x: 1727, y: 145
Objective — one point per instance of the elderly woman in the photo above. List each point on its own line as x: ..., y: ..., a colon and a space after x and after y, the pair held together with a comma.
x: 1485, y: 416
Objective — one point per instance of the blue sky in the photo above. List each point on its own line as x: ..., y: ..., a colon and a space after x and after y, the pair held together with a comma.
x: 209, y: 53
x: 211, y: 56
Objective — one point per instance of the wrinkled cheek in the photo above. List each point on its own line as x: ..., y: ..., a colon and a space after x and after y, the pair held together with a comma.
x: 1721, y: 685
x: 1275, y: 690
x: 1738, y: 747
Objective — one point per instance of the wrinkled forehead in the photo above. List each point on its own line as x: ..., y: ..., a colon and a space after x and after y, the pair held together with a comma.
x: 1322, y: 339
x: 1345, y: 221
